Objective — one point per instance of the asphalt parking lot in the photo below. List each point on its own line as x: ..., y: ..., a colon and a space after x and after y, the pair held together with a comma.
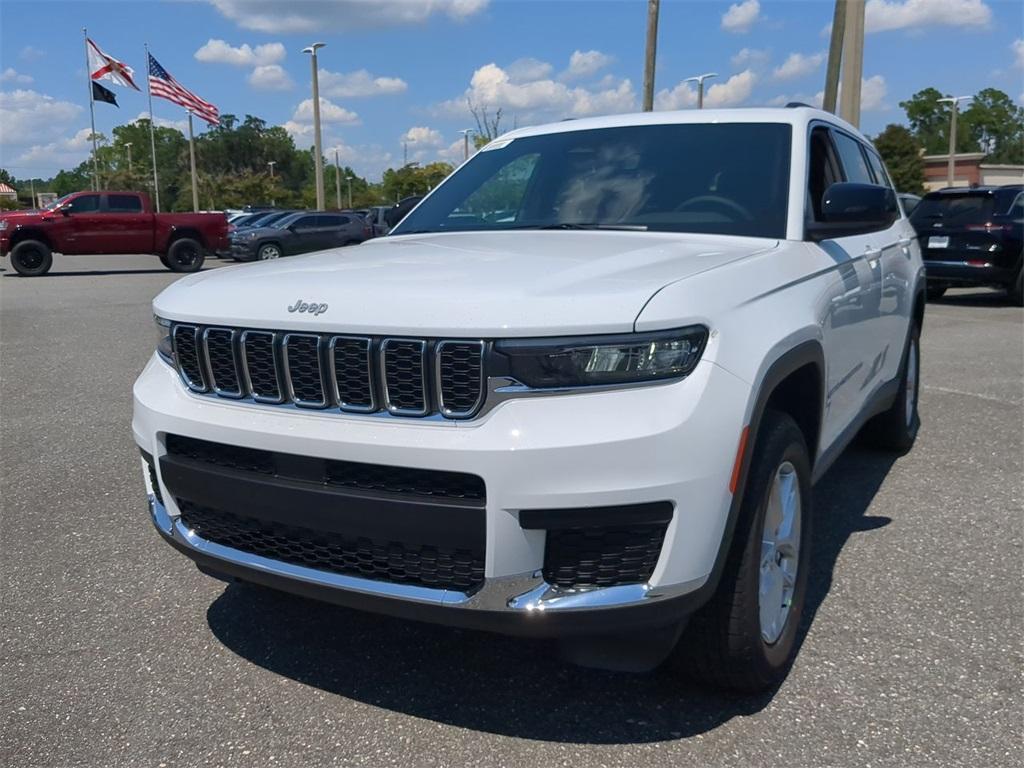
x: 116, y: 651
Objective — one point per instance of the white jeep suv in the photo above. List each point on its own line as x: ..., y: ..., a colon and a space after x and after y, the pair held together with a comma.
x: 582, y: 391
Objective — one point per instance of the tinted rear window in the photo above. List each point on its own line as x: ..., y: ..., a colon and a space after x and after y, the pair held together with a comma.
x: 124, y: 204
x: 954, y: 210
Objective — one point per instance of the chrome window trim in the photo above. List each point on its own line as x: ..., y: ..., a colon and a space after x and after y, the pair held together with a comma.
x: 333, y: 374
x: 315, y: 404
x: 277, y: 368
x: 394, y: 410
x: 238, y: 395
x: 191, y: 385
x: 468, y: 413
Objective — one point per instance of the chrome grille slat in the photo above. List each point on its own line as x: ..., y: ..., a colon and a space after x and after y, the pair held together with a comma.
x: 402, y: 377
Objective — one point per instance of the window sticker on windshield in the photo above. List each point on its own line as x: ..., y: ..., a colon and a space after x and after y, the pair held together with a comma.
x: 501, y: 144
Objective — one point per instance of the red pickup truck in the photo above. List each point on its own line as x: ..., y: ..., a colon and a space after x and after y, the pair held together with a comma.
x: 109, y: 222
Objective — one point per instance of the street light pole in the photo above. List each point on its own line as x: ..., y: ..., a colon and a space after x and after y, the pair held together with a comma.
x: 650, y: 54
x: 271, y: 164
x: 699, y: 80
x: 128, y: 144
x: 349, y: 180
x: 465, y: 142
x: 318, y: 160
x: 337, y: 181
x: 954, y: 108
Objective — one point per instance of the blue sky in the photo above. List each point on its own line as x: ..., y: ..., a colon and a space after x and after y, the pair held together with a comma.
x: 395, y: 71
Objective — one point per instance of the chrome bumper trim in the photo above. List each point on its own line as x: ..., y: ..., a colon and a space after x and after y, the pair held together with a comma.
x: 522, y: 593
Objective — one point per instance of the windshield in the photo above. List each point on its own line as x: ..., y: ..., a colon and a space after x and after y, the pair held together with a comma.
x: 724, y: 178
x: 55, y: 204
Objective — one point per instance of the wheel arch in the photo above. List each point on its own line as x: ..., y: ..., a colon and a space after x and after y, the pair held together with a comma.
x: 30, y: 233
x: 178, y: 233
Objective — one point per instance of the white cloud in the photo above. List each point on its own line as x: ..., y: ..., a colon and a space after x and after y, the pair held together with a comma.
x: 367, y: 160
x: 270, y: 77
x: 281, y: 17
x: 525, y: 70
x: 884, y: 15
x: 741, y: 16
x: 10, y: 75
x: 216, y: 51
x: 31, y: 53
x: 545, y: 98
x: 329, y: 113
x: 162, y: 122
x: 455, y: 152
x: 735, y: 90
x: 872, y: 93
x: 750, y: 57
x: 346, y: 85
x: 798, y: 65
x: 423, y: 136
x: 31, y: 117
x: 67, y: 152
x: 1018, y: 52
x: 802, y: 98
x: 586, y: 63
x: 680, y: 97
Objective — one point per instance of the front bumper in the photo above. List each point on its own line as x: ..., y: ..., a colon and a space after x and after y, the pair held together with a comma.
x: 671, y: 443
x: 242, y: 251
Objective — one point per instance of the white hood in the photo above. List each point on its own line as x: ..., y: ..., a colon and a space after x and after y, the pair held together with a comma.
x: 522, y: 283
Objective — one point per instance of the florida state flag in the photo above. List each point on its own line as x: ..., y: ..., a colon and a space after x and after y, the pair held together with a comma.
x: 104, y: 67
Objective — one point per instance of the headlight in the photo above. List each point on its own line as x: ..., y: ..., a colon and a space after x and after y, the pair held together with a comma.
x: 163, y: 339
x: 597, y: 360
x: 3, y: 224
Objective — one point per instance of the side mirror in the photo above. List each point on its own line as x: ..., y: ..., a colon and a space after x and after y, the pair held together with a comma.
x: 849, y: 208
x: 291, y: 228
x: 64, y: 210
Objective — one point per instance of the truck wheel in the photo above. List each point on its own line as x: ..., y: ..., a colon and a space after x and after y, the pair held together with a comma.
x: 896, y: 429
x: 745, y: 637
x: 268, y: 252
x: 31, y: 258
x: 185, y: 255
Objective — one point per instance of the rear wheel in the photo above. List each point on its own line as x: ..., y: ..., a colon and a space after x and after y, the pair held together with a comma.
x: 31, y: 258
x: 185, y: 255
x: 745, y: 637
x: 896, y: 429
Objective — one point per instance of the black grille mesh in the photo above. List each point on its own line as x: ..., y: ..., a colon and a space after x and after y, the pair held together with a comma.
x: 352, y: 372
x: 602, y: 557
x: 391, y: 561
x: 404, y: 375
x: 260, y: 362
x: 304, y: 369
x: 420, y: 375
x: 186, y: 352
x: 461, y: 368
x: 220, y: 348
x: 228, y: 456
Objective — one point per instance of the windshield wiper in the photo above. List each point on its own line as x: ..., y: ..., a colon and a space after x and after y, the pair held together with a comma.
x: 583, y: 225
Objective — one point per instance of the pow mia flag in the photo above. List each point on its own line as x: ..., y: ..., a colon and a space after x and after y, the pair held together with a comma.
x: 99, y: 93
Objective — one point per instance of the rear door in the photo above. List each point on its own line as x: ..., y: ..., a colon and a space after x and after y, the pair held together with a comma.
x: 130, y: 230
x: 335, y: 229
x: 303, y: 235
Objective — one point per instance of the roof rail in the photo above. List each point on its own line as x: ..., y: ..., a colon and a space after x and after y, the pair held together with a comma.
x: 795, y: 104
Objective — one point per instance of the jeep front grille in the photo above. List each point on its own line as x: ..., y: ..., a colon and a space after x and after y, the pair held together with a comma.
x: 355, y: 374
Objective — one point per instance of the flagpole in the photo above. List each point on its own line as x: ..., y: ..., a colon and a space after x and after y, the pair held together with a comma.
x: 92, y: 113
x: 152, y: 135
x: 192, y: 163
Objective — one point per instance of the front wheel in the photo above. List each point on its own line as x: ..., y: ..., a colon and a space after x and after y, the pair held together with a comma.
x: 269, y: 252
x: 185, y: 255
x: 31, y: 258
x: 745, y: 637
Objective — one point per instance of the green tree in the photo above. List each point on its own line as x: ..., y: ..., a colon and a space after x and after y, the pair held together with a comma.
x: 412, y: 179
x: 996, y: 125
x: 902, y: 155
x: 929, y: 122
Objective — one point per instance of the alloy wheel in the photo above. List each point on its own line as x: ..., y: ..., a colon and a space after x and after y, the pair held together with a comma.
x: 780, y: 552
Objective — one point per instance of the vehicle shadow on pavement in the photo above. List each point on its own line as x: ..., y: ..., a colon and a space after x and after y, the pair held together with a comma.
x: 98, y: 273
x: 512, y: 686
x: 982, y: 298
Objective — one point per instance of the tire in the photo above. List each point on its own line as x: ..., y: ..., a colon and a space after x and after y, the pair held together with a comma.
x: 731, y: 642
x: 1015, y: 293
x: 268, y: 252
x: 936, y: 292
x: 164, y: 261
x: 185, y: 255
x: 31, y: 258
x: 896, y: 429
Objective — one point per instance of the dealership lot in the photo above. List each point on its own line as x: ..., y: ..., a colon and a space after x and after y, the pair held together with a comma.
x: 114, y: 650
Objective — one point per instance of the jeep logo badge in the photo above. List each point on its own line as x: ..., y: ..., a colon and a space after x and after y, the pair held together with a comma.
x: 312, y: 308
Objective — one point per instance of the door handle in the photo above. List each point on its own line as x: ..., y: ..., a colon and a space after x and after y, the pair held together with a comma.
x: 872, y: 254
x: 905, y: 241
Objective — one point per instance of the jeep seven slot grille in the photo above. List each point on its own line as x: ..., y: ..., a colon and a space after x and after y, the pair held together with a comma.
x: 355, y: 374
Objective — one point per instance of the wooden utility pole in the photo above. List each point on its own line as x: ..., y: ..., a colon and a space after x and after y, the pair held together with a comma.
x: 651, y: 54
x: 835, y: 57
x: 853, y: 64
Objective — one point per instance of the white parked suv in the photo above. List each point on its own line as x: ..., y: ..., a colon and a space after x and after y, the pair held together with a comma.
x: 582, y: 391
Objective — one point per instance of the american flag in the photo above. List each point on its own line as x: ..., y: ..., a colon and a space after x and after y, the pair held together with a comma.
x: 166, y: 87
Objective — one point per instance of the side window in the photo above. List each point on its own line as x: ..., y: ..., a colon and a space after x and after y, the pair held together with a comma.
x: 881, y: 177
x: 852, y: 157
x: 304, y: 222
x: 85, y: 204
x: 124, y: 204
x: 823, y: 171
x: 331, y: 220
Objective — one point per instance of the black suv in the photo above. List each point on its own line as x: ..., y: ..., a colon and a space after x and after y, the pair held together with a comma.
x: 972, y: 237
x: 298, y: 233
